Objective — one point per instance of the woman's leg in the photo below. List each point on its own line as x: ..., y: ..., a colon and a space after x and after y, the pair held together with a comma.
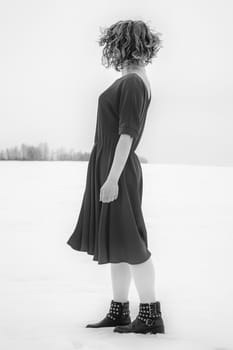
x: 144, y: 278
x: 121, y: 278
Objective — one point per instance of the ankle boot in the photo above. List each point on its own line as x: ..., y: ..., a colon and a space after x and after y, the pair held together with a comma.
x: 118, y: 314
x: 148, y: 320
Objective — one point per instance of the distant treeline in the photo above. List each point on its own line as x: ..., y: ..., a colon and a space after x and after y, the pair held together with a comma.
x: 42, y: 152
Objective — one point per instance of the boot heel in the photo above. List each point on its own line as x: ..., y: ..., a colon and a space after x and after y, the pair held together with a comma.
x: 125, y: 322
x: 158, y: 329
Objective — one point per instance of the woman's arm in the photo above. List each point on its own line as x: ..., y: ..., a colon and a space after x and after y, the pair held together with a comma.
x: 131, y: 104
x: 120, y: 157
x: 109, y: 190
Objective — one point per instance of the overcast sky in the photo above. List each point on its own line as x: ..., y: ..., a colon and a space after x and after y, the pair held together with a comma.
x: 51, y: 76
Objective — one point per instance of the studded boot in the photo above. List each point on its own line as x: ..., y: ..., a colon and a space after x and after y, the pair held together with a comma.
x: 118, y: 314
x: 148, y: 320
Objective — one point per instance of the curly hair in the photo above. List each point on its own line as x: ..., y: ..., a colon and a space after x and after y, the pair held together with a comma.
x: 128, y: 42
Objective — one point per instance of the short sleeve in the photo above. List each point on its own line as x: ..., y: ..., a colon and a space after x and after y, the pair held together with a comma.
x: 130, y: 106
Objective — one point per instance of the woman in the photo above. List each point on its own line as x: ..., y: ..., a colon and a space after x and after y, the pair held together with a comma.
x: 110, y: 225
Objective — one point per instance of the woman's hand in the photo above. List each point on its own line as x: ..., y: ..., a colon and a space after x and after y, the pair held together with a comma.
x: 109, y: 190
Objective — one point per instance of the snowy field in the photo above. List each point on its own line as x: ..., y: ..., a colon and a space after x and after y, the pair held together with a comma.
x: 49, y: 292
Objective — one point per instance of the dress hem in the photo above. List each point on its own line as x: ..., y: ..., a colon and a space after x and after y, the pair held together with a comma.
x: 110, y: 260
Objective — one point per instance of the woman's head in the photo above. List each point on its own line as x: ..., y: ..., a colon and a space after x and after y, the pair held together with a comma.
x: 128, y: 42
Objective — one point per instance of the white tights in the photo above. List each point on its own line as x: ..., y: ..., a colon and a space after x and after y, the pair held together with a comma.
x: 144, y: 279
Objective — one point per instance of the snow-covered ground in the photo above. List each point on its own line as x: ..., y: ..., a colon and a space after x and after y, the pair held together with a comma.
x: 49, y: 292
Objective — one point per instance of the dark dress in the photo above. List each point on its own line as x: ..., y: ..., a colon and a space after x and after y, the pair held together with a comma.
x: 115, y: 231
